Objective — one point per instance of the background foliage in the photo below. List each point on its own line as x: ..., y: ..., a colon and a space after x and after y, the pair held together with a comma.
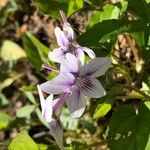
x: 116, y: 28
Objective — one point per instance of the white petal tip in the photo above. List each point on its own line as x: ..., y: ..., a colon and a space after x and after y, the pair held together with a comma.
x: 78, y: 113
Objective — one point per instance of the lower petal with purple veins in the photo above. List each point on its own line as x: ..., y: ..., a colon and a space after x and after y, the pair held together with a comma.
x: 96, y: 67
x: 92, y: 88
x: 76, y: 102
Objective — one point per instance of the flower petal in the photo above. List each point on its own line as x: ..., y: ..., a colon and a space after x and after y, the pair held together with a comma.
x: 56, y: 55
x: 48, y: 109
x: 60, y: 36
x: 69, y: 33
x: 67, y: 27
x: 89, y: 52
x: 46, y: 105
x: 76, y: 103
x: 42, y: 99
x: 93, y: 88
x: 70, y: 64
x: 57, y: 132
x: 80, y: 55
x: 61, y: 83
x: 58, y: 103
x: 96, y: 67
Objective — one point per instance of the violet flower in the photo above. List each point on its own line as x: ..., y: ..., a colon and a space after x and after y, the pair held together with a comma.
x: 78, y: 81
x: 49, y: 106
x: 66, y: 41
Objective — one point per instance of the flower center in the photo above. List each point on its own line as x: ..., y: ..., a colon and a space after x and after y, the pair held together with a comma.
x: 54, y: 125
x: 84, y: 83
x: 72, y: 48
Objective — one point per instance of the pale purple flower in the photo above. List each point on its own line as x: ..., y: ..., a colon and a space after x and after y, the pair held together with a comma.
x: 78, y: 81
x: 57, y: 132
x: 66, y: 41
x: 50, y: 106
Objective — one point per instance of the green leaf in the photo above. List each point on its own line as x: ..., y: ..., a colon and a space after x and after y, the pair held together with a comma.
x: 42, y: 49
x: 68, y: 121
x: 145, y: 88
x: 43, y: 121
x: 87, y: 124
x: 30, y: 97
x: 47, y: 147
x: 25, y: 111
x: 74, y: 5
x: 5, y: 120
x: 23, y: 142
x: 28, y: 88
x: 42, y: 146
x: 3, y: 100
x: 11, y: 51
x: 8, y: 81
x: 129, y: 129
x: 137, y: 5
x: 52, y: 7
x: 108, y: 12
x: 135, y: 95
x: 32, y: 53
x: 102, y: 110
x: 106, y: 102
x: 147, y: 1
x: 139, y: 38
x: 109, y: 29
x: 148, y: 144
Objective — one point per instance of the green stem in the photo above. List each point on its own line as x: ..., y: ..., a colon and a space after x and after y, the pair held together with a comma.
x: 145, y: 96
x: 88, y: 147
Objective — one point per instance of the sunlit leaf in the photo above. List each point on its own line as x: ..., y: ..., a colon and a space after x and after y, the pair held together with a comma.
x: 147, y: 1
x: 30, y: 97
x: 108, y: 12
x: 23, y: 142
x: 11, y: 51
x: 42, y: 147
x: 107, y: 102
x: 145, y: 88
x: 102, y: 110
x: 31, y: 88
x: 74, y: 5
x: 47, y: 147
x: 148, y: 144
x: 3, y: 100
x: 25, y: 111
x: 5, y: 120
